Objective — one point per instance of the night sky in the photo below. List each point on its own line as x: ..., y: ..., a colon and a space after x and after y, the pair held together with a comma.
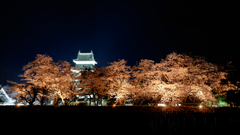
x: 130, y: 30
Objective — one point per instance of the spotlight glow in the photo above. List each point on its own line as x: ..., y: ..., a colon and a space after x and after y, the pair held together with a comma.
x: 159, y: 104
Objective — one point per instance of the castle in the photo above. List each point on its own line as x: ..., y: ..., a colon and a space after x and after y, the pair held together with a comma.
x: 85, y: 60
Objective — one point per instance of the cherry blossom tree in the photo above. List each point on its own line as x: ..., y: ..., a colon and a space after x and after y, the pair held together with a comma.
x: 118, y: 76
x: 36, y: 75
x: 60, y: 81
x: 142, y: 76
x: 83, y: 83
x: 27, y: 93
x: 180, y: 76
x: 51, y: 79
x: 93, y: 82
x: 177, y: 77
x: 170, y: 81
x: 100, y: 83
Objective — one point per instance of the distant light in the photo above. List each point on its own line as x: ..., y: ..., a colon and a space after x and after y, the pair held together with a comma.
x: 179, y: 104
x: 200, y: 106
x: 159, y: 104
x: 114, y: 105
x: 129, y: 104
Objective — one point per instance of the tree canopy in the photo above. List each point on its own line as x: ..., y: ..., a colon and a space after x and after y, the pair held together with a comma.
x: 170, y: 81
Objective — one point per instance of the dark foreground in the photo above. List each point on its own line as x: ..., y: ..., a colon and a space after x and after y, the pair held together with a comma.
x: 126, y: 120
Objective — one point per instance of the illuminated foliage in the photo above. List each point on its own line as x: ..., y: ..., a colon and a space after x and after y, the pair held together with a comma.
x: 60, y: 80
x: 118, y: 74
x: 180, y: 76
x: 171, y: 81
x: 141, y: 82
x: 92, y: 82
x: 48, y: 77
x: 27, y: 94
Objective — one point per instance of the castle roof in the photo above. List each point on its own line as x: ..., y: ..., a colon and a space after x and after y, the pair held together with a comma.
x: 84, y: 56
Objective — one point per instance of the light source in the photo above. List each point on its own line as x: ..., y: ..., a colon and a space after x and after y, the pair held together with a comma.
x: 160, y: 104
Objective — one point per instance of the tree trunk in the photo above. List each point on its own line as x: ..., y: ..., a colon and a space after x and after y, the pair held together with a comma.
x: 156, y: 102
x: 142, y: 101
x: 60, y: 94
x: 120, y: 101
x: 62, y: 99
x: 42, y: 100
x: 184, y: 101
x: 96, y: 103
x: 98, y: 99
x: 32, y: 100
x: 35, y: 91
x: 44, y: 91
x: 94, y: 99
x: 136, y: 102
x: 55, y: 99
x: 90, y: 100
x: 101, y: 101
x: 31, y: 104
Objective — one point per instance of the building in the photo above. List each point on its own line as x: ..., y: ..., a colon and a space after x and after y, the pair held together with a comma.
x: 6, y: 97
x: 85, y: 60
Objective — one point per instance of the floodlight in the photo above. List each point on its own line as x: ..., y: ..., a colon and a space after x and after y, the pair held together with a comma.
x: 159, y: 104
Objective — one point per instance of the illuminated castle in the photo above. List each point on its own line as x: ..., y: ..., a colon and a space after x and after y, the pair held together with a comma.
x: 85, y: 60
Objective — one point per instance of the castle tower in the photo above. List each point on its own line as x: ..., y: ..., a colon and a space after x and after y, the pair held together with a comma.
x: 85, y: 60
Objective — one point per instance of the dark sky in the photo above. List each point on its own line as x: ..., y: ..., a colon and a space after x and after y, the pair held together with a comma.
x: 130, y: 30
